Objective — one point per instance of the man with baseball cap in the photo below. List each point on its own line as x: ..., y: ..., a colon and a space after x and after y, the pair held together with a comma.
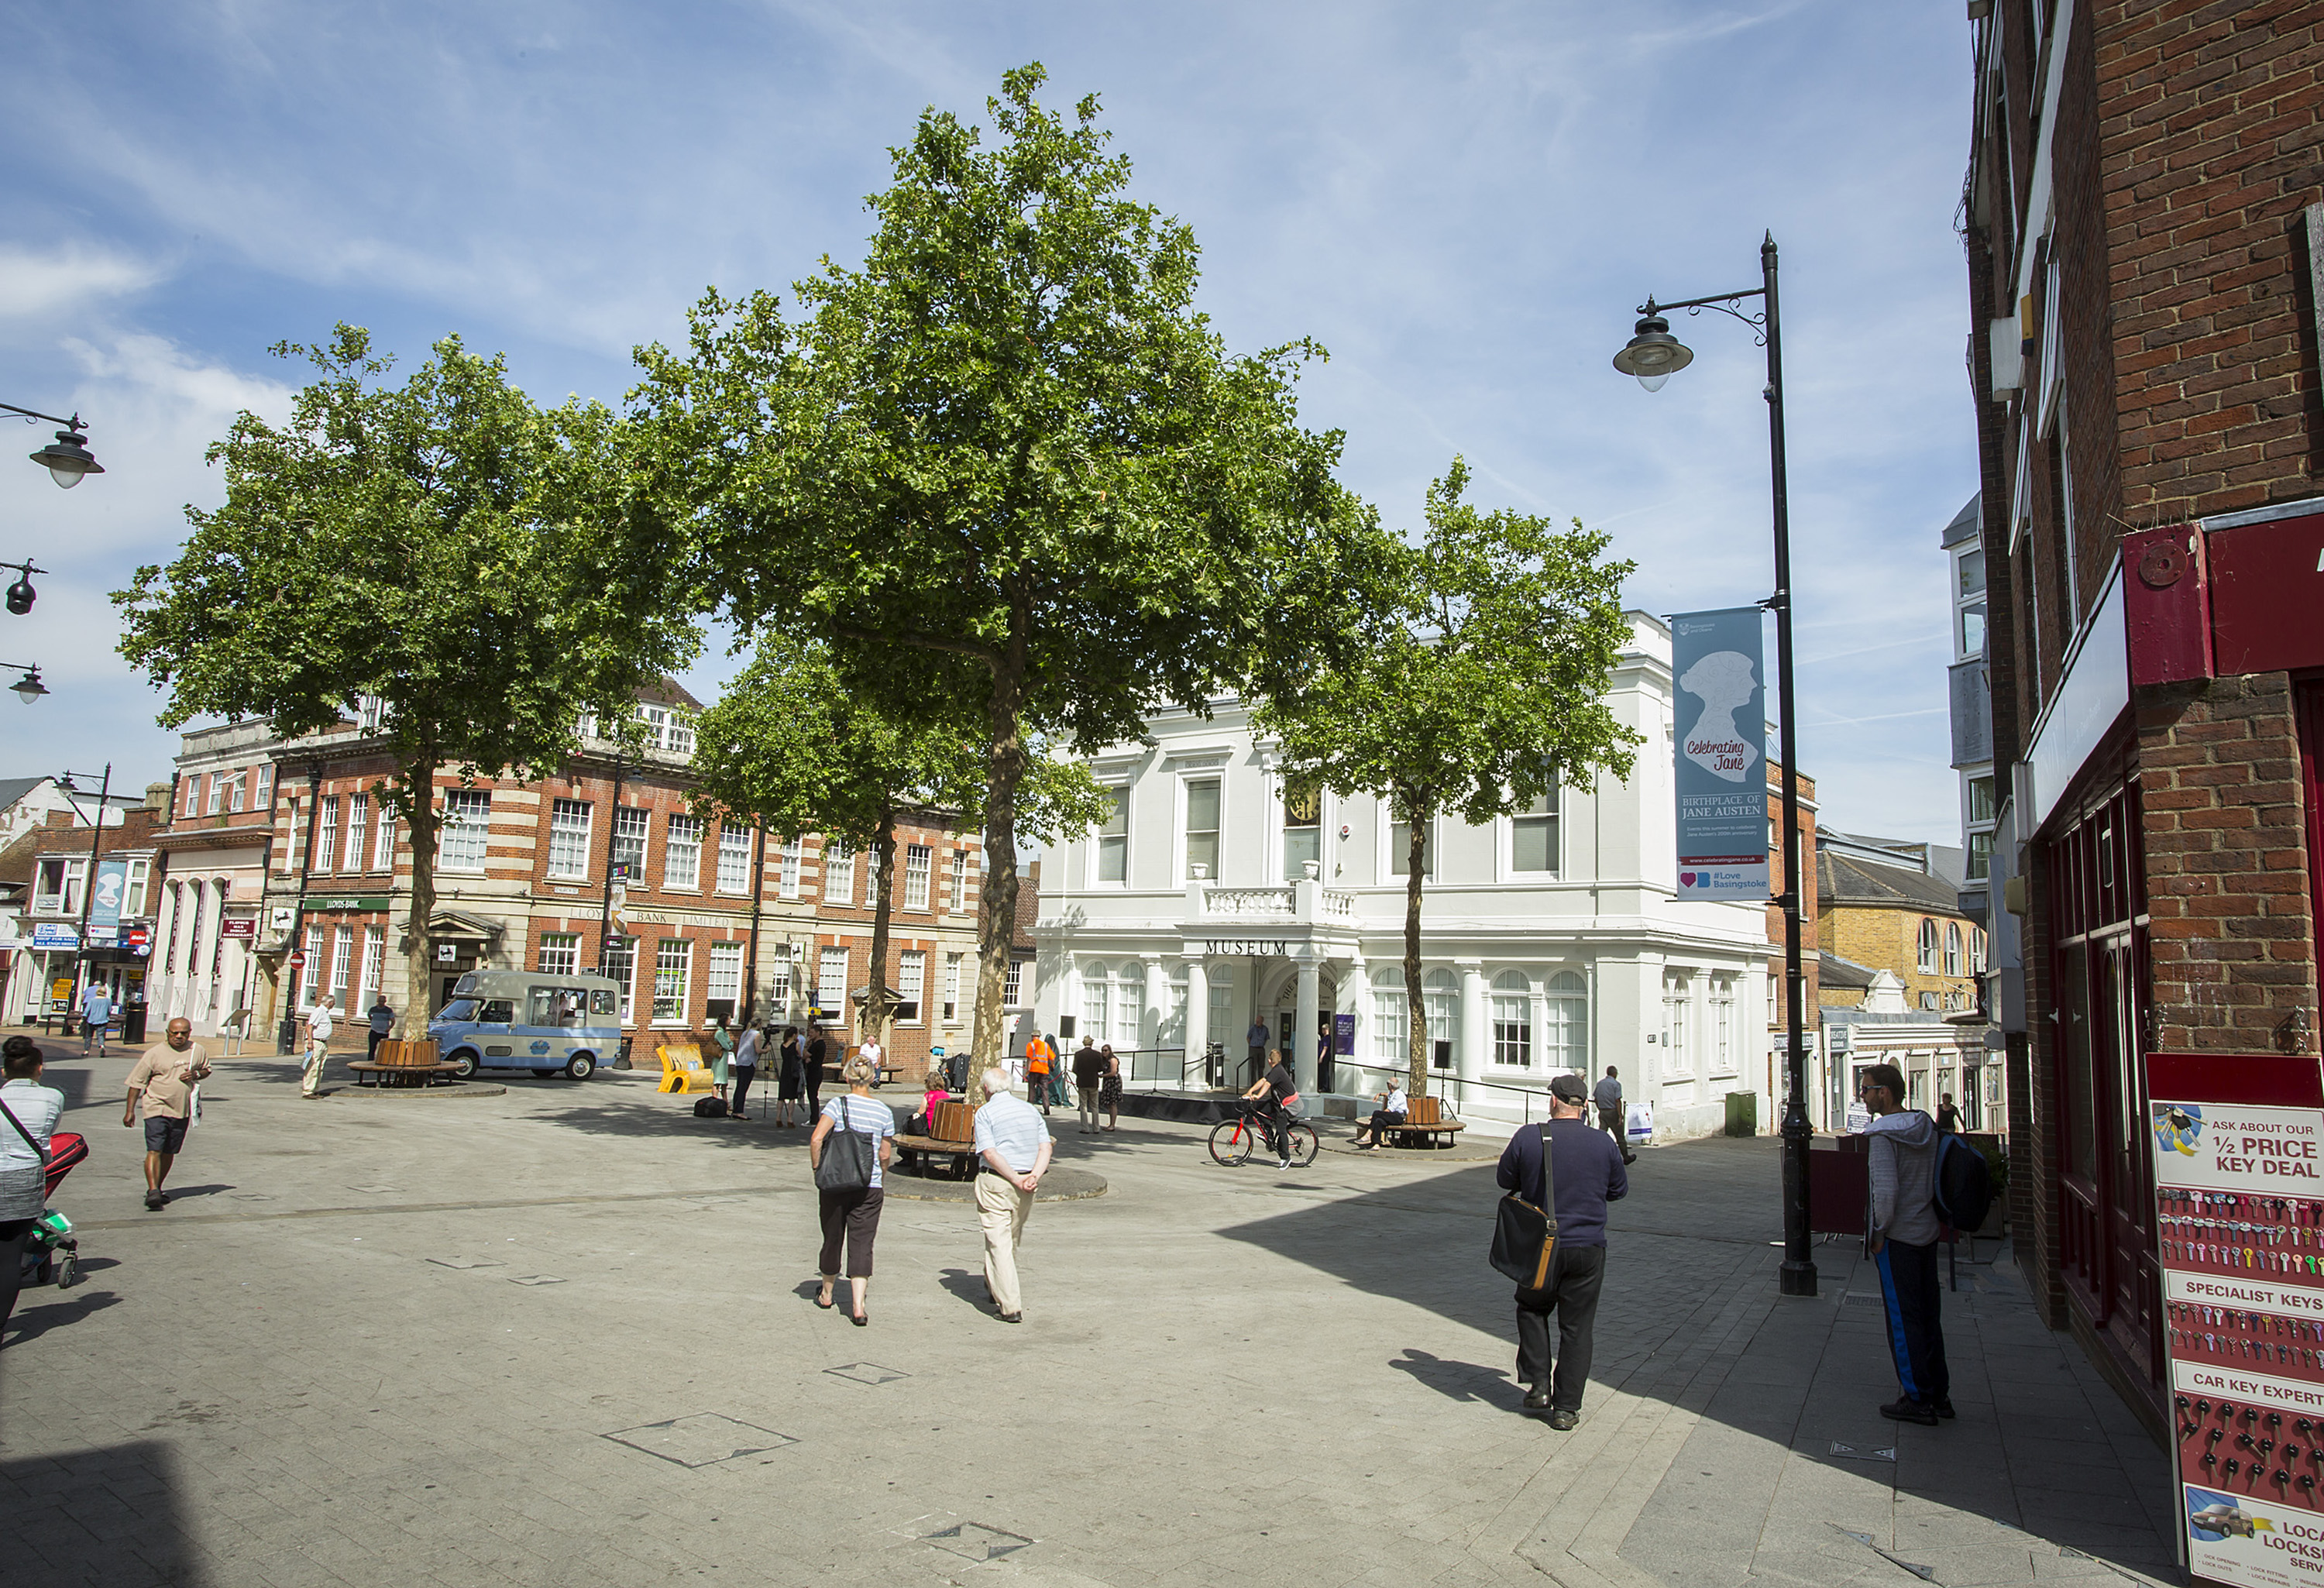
x: 1585, y: 1171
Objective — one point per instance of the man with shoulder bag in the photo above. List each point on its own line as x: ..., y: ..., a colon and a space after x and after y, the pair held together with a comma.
x: 1561, y: 1175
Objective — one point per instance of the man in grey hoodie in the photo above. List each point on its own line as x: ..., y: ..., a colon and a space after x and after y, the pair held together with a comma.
x: 1901, y: 1233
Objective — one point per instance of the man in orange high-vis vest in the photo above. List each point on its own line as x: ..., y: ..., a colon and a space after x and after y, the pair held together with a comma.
x: 1040, y: 1058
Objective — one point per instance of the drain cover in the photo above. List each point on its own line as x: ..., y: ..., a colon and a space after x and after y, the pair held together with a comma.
x: 867, y: 1373
x: 976, y: 1541
x: 1864, y: 1452
x: 703, y: 1440
x: 534, y: 1279
x: 465, y: 1262
x: 1861, y: 1298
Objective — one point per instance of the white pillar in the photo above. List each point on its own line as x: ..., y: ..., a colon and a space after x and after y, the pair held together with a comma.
x: 1476, y: 1035
x: 1198, y: 1021
x: 1157, y: 1002
x: 1302, y: 1056
x: 1356, y: 994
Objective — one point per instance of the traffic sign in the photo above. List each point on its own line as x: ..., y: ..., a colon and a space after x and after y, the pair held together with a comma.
x: 296, y: 957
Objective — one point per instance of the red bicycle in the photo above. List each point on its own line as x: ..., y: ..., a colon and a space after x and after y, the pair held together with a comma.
x: 1233, y: 1141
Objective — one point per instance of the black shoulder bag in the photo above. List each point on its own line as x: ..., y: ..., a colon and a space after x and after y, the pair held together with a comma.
x: 848, y: 1155
x: 1525, y: 1237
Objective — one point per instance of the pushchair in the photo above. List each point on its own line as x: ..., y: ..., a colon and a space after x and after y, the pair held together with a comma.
x: 52, y: 1254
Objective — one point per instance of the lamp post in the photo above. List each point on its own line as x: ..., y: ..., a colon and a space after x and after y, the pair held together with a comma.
x: 29, y: 687
x: 68, y: 457
x: 1653, y: 356
x: 96, y: 840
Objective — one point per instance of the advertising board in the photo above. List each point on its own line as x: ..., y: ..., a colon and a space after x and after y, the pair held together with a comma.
x: 1719, y: 761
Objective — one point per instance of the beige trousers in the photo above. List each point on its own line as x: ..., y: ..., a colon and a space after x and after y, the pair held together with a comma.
x: 1001, y: 1209
x: 310, y: 1076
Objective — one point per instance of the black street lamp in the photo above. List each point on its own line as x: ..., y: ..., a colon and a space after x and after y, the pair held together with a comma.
x: 29, y: 687
x: 1653, y: 356
x: 68, y: 457
x: 21, y: 594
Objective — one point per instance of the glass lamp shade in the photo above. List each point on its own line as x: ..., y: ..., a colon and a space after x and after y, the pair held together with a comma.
x: 68, y: 459
x: 29, y: 687
x: 1653, y: 355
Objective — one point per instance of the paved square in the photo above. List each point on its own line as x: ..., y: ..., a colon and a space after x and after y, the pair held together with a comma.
x: 1224, y: 1376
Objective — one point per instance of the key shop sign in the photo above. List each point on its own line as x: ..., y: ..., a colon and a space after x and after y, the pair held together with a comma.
x: 2238, y: 1146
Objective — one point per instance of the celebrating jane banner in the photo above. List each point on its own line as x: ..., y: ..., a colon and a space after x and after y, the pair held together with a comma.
x: 1720, y: 755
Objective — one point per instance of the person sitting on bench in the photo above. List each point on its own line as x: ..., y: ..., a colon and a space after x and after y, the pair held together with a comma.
x: 1393, y: 1110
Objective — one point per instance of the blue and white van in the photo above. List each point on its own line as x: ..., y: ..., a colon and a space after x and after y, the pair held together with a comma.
x: 529, y: 1021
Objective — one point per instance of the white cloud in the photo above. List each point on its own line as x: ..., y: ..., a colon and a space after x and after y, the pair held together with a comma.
x: 57, y: 285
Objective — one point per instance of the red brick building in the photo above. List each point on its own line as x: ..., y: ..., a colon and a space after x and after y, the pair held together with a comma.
x: 2145, y: 221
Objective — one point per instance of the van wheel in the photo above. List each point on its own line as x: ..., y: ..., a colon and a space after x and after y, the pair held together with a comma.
x: 581, y: 1066
x: 464, y: 1063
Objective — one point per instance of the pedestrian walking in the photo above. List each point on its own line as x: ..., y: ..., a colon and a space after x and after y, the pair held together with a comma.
x: 1613, y: 1118
x: 96, y: 1014
x: 1948, y: 1116
x: 1394, y: 1108
x: 1901, y: 1238
x: 383, y: 1021
x: 1577, y: 1163
x: 1012, y: 1148
x: 1109, y: 1089
x: 1039, y: 1055
x: 161, y: 1087
x: 849, y: 1198
x: 33, y: 1111
x: 745, y: 1070
x: 790, y: 1080
x: 818, y: 1052
x: 1089, y: 1070
x: 322, y: 1020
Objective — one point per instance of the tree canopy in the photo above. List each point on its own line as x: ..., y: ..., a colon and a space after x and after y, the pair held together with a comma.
x: 1005, y: 468
x: 445, y: 545
x: 1479, y: 687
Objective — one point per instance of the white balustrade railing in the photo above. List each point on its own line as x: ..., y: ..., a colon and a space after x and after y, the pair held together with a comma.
x: 1273, y: 902
x: 1339, y: 906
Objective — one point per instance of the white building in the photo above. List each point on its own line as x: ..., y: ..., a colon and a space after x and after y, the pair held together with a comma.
x: 1551, y: 941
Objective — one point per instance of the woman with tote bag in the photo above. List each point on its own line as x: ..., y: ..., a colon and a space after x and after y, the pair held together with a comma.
x: 850, y: 1149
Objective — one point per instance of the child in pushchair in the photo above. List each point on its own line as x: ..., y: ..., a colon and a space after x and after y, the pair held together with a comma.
x: 36, y: 1243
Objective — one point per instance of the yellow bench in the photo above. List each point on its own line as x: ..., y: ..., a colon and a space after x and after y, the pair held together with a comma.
x: 682, y: 1069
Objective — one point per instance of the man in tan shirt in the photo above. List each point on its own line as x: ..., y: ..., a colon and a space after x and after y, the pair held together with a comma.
x: 165, y: 1077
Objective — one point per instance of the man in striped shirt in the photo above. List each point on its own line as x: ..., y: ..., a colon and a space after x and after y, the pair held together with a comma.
x: 1012, y: 1148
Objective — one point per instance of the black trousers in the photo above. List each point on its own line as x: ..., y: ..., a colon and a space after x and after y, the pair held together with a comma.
x: 377, y: 1037
x: 1383, y: 1121
x: 13, y: 1235
x: 1572, y: 1295
x: 743, y: 1074
x: 1911, y: 1290
x: 852, y: 1216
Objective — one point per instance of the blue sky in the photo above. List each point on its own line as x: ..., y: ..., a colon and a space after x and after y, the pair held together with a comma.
x: 1465, y: 202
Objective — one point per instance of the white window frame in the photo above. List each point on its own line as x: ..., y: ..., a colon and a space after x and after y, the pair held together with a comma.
x: 956, y: 884
x: 1952, y: 950
x: 263, y: 794
x: 733, y: 858
x: 673, y: 984
x: 216, y: 794
x: 1512, y: 1037
x: 1565, y: 1035
x: 1391, y: 1019
x: 1441, y: 998
x: 466, y: 811
x: 1554, y: 819
x: 632, y: 825
x: 382, y: 844
x: 778, y: 978
x: 572, y: 825
x: 1679, y: 1025
x: 952, y: 987
x: 1392, y: 853
x: 1185, y: 830
x: 1013, y: 984
x: 620, y: 964
x: 920, y: 859
x: 374, y: 966
x: 558, y: 954
x: 351, y: 855
x: 137, y: 876
x: 831, y: 971
x: 326, y: 836
x: 343, y: 953
x: 237, y: 787
x: 1925, y: 947
x: 911, y: 986
x: 681, y: 852
x: 1725, y: 1049
x: 723, y: 978
x: 1099, y: 838
x: 1282, y: 831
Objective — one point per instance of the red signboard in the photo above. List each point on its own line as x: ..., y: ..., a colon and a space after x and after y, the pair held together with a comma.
x: 245, y: 928
x: 295, y: 959
x: 2267, y: 585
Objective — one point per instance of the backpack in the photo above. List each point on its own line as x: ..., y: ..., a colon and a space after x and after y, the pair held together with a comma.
x: 1964, y: 1186
x: 710, y: 1108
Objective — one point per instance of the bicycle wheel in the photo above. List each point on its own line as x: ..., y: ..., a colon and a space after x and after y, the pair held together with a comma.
x: 1303, y: 1144
x: 1230, y: 1142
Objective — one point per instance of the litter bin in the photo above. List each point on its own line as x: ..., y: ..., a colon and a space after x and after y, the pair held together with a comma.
x: 286, y: 1035
x: 1742, y: 1114
x: 132, y: 1025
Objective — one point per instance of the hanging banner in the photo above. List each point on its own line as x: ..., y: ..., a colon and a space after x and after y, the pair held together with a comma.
x: 1718, y: 754
x: 2238, y: 1148
x: 105, y: 904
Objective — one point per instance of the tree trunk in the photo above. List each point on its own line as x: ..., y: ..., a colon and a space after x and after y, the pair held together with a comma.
x: 420, y: 818
x: 877, y: 999
x: 1416, y: 824
x: 997, y: 912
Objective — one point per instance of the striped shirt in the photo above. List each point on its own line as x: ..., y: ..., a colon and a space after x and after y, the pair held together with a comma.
x: 868, y: 1115
x: 1014, y: 1128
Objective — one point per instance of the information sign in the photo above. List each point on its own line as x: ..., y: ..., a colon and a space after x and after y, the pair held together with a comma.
x: 2238, y: 1148
x: 1719, y: 761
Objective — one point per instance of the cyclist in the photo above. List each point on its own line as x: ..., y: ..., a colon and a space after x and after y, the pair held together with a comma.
x: 1276, y: 1094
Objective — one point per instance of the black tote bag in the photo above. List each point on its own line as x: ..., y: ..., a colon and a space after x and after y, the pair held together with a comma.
x: 1525, y: 1237
x: 848, y: 1155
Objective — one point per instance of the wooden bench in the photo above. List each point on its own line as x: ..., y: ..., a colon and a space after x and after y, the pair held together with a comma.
x: 402, y: 1063
x: 1427, y: 1124
x: 952, y: 1135
x: 682, y: 1069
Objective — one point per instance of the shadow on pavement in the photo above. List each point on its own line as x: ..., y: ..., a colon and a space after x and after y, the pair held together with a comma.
x: 1461, y: 1380
x: 966, y: 1284
x: 38, y: 1311
x: 148, y: 1541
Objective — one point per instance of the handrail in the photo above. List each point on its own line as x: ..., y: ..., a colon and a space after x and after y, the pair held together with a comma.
x: 1465, y: 1083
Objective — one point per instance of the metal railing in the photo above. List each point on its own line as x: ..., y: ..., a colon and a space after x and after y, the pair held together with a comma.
x: 1454, y: 1089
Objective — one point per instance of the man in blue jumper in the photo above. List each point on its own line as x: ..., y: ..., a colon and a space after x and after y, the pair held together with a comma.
x: 1586, y: 1173
x: 1900, y: 1236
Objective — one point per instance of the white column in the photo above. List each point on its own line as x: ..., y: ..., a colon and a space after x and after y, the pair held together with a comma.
x: 1309, y: 1005
x: 1157, y: 1002
x: 1476, y: 1033
x: 1356, y: 994
x: 1198, y: 1021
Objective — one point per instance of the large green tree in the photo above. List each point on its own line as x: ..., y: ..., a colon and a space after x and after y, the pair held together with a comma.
x: 1481, y: 687
x: 1005, y: 468
x: 445, y: 545
x: 790, y: 747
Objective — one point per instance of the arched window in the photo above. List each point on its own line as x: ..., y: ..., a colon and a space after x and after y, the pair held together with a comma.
x: 1928, y: 949
x: 1129, y: 1006
x: 1439, y: 993
x: 1093, y: 1000
x: 1565, y: 1025
x: 1953, y: 949
x: 1391, y: 1020
x: 1976, y: 951
x: 1513, y: 1020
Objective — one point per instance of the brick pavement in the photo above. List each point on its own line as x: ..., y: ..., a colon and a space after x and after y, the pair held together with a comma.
x: 562, y: 1336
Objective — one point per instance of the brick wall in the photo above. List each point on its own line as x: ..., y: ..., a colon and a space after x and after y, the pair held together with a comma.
x: 2232, y: 945
x: 2211, y: 139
